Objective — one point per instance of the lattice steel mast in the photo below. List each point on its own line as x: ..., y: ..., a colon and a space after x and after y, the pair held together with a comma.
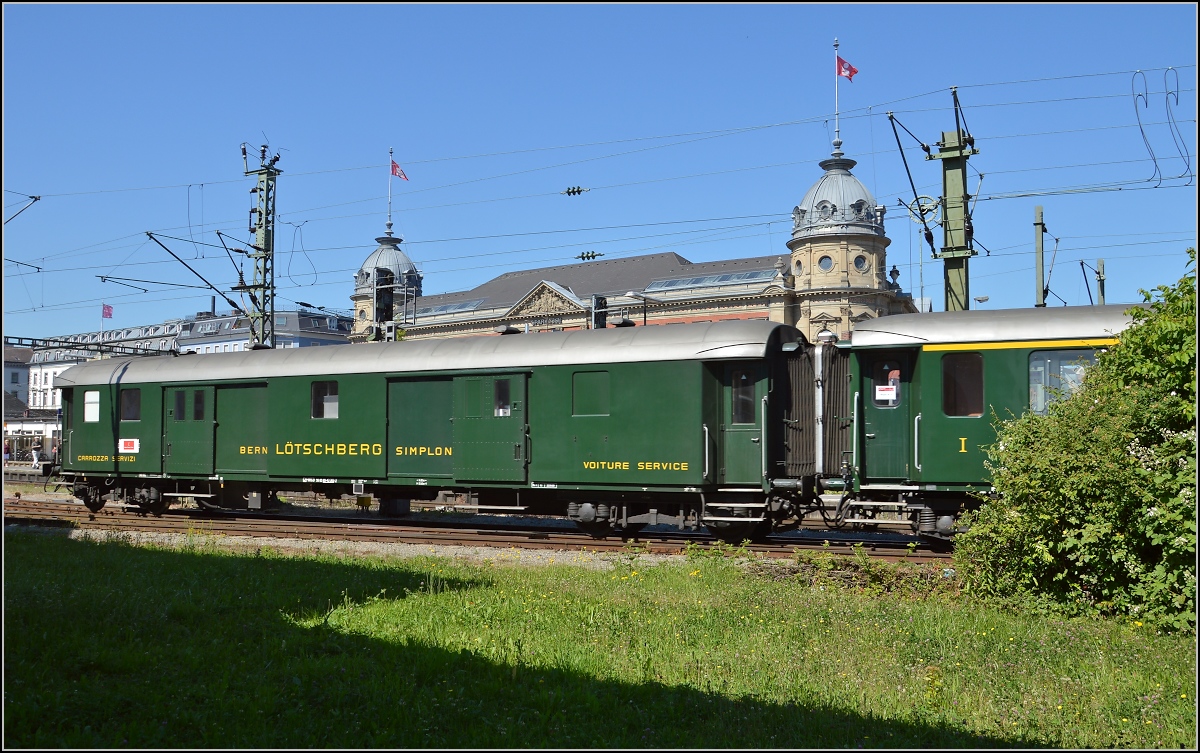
x: 262, y: 223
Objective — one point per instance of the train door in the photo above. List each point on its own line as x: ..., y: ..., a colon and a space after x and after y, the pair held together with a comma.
x: 742, y: 424
x: 420, y: 429
x: 490, y: 428
x: 188, y: 430
x: 887, y: 429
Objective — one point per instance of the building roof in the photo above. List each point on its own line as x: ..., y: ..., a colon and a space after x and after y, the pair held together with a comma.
x: 837, y: 203
x: 670, y: 342
x: 387, y: 256
x: 17, y: 355
x: 16, y: 409
x: 607, y: 277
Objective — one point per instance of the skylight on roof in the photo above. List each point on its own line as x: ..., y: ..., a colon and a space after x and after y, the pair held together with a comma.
x: 728, y: 278
x: 450, y: 308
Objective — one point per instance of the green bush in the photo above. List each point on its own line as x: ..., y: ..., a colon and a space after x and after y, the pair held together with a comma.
x: 1096, y: 507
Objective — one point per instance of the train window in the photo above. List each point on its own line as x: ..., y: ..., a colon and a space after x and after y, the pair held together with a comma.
x: 589, y: 393
x: 198, y: 405
x: 324, y: 399
x: 503, y: 403
x: 181, y: 405
x: 886, y: 378
x: 1056, y: 374
x: 962, y: 384
x: 743, y: 397
x: 91, y: 406
x: 131, y: 405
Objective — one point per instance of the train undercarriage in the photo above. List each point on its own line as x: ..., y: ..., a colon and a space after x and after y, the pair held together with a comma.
x: 730, y: 515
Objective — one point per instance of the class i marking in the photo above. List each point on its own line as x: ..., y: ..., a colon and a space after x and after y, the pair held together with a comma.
x: 962, y: 444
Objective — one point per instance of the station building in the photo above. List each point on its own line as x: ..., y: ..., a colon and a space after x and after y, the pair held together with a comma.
x: 831, y: 274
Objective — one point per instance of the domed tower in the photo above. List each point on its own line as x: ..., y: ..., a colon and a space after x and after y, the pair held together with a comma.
x: 386, y: 288
x: 839, y: 254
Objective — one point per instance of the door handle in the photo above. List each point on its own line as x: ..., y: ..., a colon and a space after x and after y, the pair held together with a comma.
x: 870, y: 436
x: 754, y: 440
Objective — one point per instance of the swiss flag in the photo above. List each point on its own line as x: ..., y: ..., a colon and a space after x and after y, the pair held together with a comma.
x: 400, y: 173
x: 845, y: 69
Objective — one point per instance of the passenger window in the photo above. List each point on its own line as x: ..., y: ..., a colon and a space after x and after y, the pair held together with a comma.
x: 886, y: 382
x: 743, y: 397
x: 198, y: 405
x: 91, y: 406
x: 1056, y: 374
x: 324, y: 399
x: 502, y: 402
x: 131, y: 405
x: 962, y: 384
x: 180, y: 405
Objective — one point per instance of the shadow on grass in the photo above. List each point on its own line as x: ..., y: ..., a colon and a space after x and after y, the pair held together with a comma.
x: 108, y: 645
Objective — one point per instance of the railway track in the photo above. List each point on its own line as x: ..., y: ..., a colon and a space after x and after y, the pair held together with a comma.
x: 503, y: 533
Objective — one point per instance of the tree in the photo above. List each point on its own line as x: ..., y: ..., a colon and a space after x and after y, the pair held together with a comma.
x: 1096, y: 501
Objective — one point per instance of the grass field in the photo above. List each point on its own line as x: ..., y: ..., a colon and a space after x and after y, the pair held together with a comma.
x: 114, y: 645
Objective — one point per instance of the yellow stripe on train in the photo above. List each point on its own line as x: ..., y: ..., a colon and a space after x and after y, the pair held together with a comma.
x: 1099, y: 342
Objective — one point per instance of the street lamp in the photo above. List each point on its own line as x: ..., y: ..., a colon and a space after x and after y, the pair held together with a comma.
x: 643, y: 297
x: 980, y: 298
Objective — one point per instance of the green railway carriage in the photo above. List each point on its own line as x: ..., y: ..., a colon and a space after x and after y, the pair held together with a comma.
x: 926, y: 387
x: 697, y: 424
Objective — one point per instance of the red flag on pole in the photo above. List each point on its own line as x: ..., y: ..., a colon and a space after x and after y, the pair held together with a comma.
x: 105, y: 311
x: 845, y: 69
x: 400, y: 173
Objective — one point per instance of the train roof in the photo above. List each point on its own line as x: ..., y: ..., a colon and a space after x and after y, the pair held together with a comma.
x: 999, y: 325
x: 731, y: 339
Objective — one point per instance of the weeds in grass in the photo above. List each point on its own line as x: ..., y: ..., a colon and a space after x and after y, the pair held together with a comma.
x: 263, y: 649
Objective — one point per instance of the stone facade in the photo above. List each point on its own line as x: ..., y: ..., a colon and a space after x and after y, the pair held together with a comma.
x: 834, y: 275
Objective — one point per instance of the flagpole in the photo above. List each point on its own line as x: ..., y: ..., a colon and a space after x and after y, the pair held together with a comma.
x: 390, y: 161
x: 836, y: 75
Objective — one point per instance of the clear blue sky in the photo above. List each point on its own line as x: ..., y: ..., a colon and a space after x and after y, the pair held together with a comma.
x: 697, y: 127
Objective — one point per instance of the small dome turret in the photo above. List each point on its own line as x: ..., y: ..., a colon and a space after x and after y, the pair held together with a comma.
x: 838, y: 203
x: 387, y: 256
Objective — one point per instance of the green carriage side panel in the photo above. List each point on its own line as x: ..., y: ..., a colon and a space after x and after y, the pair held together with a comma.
x: 420, y: 430
x: 952, y: 445
x: 189, y: 423
x: 889, y: 401
x: 242, y: 440
x: 345, y: 441
x: 490, y: 428
x: 744, y: 385
x: 91, y: 435
x: 139, y: 428
x: 618, y: 424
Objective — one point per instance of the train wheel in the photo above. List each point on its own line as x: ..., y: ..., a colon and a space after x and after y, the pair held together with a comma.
x: 92, y: 501
x: 734, y: 533
x: 595, y: 530
x: 158, y: 506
